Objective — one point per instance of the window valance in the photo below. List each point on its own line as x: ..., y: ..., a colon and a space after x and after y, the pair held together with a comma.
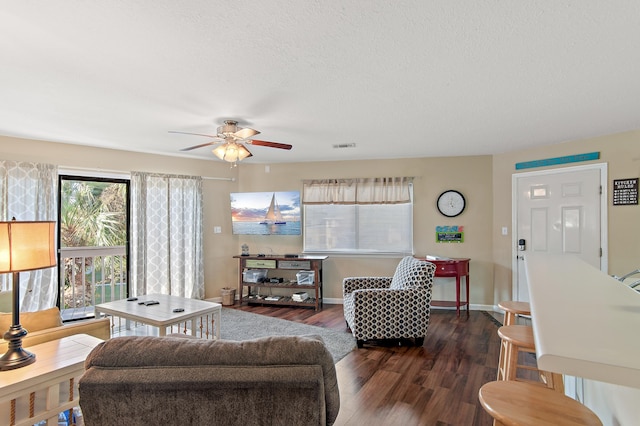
x: 384, y: 190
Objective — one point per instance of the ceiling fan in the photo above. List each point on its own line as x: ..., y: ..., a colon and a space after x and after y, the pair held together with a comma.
x: 232, y: 139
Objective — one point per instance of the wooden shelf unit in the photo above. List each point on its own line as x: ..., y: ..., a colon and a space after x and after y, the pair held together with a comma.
x: 281, y: 267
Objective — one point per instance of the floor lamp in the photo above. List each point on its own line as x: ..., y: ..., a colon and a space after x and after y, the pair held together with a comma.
x: 24, y: 246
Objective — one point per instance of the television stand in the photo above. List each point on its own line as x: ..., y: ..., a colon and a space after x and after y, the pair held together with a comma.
x: 273, y: 280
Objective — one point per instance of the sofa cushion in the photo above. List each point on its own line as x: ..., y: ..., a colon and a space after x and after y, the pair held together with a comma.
x: 411, y: 273
x: 33, y: 321
x: 147, y: 351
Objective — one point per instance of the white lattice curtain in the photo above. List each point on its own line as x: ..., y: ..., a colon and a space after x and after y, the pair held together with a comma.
x: 166, y: 235
x: 28, y: 192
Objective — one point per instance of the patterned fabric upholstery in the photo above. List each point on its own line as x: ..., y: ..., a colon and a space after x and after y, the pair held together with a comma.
x: 410, y: 273
x: 374, y: 310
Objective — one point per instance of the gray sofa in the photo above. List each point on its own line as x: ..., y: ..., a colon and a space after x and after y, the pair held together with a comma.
x: 285, y: 380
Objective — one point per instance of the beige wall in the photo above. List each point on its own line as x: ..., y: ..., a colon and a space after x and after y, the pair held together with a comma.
x: 484, y: 180
x: 216, y: 247
x: 621, y: 153
x: 470, y: 175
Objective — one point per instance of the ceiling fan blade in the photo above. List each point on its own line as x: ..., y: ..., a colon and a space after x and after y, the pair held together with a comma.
x: 199, y: 146
x: 245, y: 133
x: 197, y: 134
x: 269, y: 144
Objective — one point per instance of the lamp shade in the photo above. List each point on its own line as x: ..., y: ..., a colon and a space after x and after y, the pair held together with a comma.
x: 26, y: 246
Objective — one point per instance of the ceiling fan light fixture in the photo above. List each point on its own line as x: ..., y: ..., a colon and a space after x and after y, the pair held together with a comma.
x: 231, y: 152
x: 230, y: 141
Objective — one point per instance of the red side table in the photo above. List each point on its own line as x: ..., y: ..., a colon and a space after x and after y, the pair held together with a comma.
x: 455, y: 267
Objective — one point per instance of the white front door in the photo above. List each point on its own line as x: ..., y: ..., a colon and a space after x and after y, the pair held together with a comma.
x: 559, y: 211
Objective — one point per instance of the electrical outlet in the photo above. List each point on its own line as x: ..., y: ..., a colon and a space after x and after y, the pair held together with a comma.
x: 217, y: 230
x: 505, y: 230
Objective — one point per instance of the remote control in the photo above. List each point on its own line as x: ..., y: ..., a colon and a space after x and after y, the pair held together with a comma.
x: 178, y: 310
x: 132, y: 299
x: 151, y: 302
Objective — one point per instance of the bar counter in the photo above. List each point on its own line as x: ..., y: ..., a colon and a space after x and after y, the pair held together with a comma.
x: 586, y: 323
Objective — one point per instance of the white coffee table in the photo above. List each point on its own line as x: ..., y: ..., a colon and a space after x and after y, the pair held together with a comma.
x: 162, y: 315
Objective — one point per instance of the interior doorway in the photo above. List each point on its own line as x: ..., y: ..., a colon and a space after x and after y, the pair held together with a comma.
x: 93, y: 241
x: 559, y: 211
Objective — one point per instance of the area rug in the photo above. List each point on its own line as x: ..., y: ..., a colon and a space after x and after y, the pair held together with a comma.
x: 240, y: 325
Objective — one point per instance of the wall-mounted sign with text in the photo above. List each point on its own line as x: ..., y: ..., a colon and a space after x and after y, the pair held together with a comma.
x: 625, y: 192
x: 450, y: 234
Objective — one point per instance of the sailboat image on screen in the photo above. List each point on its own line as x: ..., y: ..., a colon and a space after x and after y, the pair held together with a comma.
x: 273, y: 217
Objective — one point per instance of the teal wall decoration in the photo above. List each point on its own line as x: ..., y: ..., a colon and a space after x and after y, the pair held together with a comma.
x: 558, y: 160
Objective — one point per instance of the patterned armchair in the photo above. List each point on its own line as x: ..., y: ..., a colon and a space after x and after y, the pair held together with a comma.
x: 395, y: 307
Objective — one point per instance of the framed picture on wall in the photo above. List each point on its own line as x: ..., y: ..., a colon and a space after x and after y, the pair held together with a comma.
x: 265, y: 213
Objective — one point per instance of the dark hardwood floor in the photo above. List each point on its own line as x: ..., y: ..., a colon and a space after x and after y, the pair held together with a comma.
x: 399, y: 384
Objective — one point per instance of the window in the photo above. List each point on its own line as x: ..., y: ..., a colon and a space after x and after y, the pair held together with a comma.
x: 358, y: 216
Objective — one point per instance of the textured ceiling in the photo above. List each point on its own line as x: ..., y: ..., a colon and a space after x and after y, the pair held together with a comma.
x: 397, y: 78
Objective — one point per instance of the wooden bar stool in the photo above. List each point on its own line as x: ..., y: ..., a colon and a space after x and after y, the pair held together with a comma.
x: 517, y: 403
x: 512, y: 309
x: 516, y: 338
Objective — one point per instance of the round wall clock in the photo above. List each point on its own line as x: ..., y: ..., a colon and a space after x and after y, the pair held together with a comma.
x: 451, y: 203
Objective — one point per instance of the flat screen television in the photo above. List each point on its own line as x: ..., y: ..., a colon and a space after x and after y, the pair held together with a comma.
x: 265, y: 213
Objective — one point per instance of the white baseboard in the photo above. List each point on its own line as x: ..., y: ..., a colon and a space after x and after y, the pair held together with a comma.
x: 338, y: 301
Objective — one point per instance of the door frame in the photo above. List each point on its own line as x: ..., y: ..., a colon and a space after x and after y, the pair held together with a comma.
x: 604, y: 245
x: 92, y: 176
